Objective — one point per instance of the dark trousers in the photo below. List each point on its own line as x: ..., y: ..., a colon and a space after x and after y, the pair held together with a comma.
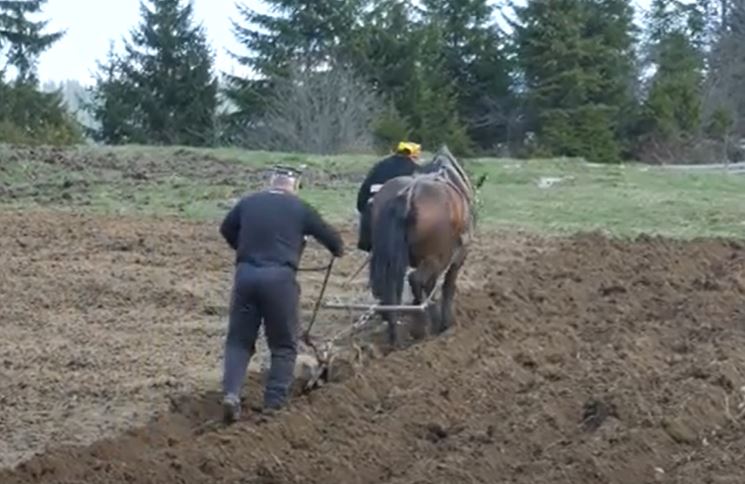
x: 364, y: 241
x: 269, y: 295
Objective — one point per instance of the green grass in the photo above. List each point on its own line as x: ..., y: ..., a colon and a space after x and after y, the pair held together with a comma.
x: 624, y: 200
x: 621, y: 199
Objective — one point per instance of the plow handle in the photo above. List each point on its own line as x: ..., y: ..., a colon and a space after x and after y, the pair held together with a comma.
x: 306, y: 334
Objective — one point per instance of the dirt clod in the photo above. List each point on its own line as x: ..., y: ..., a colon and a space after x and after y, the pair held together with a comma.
x: 679, y: 431
x: 436, y: 432
x: 594, y: 413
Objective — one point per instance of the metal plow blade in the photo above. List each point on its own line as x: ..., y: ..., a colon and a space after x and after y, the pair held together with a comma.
x: 376, y: 308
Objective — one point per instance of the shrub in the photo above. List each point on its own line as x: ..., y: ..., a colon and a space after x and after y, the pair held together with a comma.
x: 28, y: 116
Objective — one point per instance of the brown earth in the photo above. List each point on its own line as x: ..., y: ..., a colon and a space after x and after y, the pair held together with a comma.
x: 135, y: 165
x: 577, y: 360
x: 83, y: 169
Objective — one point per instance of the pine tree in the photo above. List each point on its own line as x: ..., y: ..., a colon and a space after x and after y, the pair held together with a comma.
x: 114, y: 105
x: 404, y: 60
x: 304, y: 32
x: 386, y: 52
x: 27, y: 115
x: 575, y: 59
x: 724, y: 98
x: 386, y: 49
x: 25, y: 39
x: 475, y: 61
x: 673, y: 106
x: 434, y: 91
x: 308, y: 33
x: 164, y: 80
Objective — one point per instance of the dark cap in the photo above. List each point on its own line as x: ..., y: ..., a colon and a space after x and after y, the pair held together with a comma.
x: 286, y: 171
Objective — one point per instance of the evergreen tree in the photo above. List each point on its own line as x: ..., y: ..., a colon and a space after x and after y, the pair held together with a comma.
x: 302, y: 32
x: 28, y: 116
x: 575, y: 59
x: 308, y: 33
x: 435, y: 114
x: 673, y: 106
x: 24, y: 38
x: 475, y: 61
x: 386, y: 52
x: 162, y: 90
x: 115, y: 105
x: 403, y: 59
x: 725, y: 99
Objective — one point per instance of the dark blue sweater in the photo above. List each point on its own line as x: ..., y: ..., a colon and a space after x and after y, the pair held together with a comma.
x: 386, y: 169
x: 269, y: 228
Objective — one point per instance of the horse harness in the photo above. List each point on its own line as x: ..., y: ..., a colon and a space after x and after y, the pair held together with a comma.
x: 444, y: 175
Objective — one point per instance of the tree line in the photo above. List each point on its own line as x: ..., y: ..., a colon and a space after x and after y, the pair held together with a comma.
x: 533, y: 78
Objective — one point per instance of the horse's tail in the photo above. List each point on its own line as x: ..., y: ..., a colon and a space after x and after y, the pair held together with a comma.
x: 390, y: 250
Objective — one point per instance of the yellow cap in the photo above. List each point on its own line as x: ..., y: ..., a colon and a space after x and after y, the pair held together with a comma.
x: 413, y: 149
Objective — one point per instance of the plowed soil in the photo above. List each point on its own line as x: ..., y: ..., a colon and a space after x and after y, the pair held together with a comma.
x: 575, y: 360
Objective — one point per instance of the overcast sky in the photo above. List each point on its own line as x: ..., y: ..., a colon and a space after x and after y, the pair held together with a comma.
x: 92, y: 24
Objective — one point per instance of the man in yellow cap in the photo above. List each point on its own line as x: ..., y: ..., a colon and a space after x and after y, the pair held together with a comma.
x: 401, y: 163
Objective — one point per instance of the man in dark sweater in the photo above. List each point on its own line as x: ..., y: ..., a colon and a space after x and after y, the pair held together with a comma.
x: 268, y: 231
x: 401, y: 163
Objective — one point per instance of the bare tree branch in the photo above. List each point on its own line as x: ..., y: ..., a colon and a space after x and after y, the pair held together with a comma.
x: 323, y: 112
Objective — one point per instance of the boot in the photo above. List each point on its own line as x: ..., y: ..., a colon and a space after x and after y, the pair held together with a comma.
x: 231, y: 407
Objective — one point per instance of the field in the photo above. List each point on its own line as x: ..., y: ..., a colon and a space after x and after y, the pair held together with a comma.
x: 601, y: 322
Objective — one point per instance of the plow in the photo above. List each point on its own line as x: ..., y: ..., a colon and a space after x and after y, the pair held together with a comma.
x: 444, y: 191
x: 323, y: 352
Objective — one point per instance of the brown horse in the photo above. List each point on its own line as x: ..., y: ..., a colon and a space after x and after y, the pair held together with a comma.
x: 424, y: 222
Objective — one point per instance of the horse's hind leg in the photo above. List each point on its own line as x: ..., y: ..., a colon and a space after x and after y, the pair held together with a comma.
x: 416, y: 287
x: 421, y: 320
x: 391, y: 319
x: 432, y: 310
x: 448, y: 291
